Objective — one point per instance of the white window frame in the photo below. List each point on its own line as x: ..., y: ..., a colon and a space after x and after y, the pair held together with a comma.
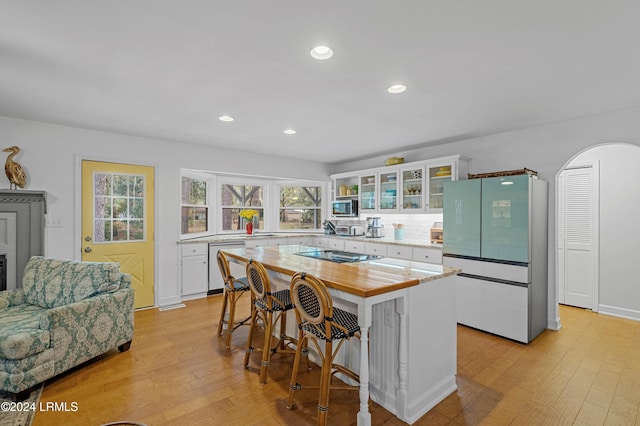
x: 322, y: 206
x: 210, y: 193
x: 248, y: 180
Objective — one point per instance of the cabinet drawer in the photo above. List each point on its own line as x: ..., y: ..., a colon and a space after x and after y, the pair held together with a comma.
x: 321, y: 242
x: 336, y: 244
x: 194, y: 249
x: 354, y: 246
x: 429, y: 255
x: 303, y: 241
x: 372, y: 248
x: 399, y: 252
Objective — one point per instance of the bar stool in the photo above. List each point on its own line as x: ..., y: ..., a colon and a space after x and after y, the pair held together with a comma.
x: 319, y: 320
x: 233, y: 290
x: 266, y: 304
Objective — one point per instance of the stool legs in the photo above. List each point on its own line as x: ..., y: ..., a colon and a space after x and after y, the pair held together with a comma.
x: 325, y: 382
x: 293, y: 384
x: 249, y: 348
x: 225, y: 300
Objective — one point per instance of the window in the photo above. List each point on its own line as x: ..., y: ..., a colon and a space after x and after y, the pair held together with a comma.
x: 195, y: 210
x: 300, y: 207
x: 236, y: 197
x: 118, y: 207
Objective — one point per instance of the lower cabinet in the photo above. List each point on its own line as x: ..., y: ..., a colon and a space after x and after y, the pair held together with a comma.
x: 429, y: 255
x: 194, y: 269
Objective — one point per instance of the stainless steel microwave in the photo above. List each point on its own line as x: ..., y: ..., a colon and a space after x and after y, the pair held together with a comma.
x: 345, y: 208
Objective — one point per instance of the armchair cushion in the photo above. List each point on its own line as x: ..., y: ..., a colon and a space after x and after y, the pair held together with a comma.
x: 50, y: 283
x: 20, y: 332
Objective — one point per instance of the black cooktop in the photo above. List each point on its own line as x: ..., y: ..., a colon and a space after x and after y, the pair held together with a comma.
x: 338, y: 256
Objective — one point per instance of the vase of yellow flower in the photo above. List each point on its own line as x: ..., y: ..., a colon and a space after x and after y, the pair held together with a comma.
x: 248, y: 216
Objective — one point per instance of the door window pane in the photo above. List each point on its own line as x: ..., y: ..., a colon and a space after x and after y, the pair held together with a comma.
x: 117, y: 200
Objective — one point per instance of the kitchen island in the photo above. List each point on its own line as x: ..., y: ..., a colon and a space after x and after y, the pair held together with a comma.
x: 407, y: 315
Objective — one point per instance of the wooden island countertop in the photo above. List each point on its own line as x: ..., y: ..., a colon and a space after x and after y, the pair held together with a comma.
x: 365, y: 279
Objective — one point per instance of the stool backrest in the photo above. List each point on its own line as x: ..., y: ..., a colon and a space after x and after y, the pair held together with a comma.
x: 313, y: 302
x: 223, y: 265
x: 260, y: 283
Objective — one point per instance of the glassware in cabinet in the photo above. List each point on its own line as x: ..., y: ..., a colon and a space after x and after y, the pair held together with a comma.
x: 412, y: 189
x: 388, y: 190
x: 367, y: 192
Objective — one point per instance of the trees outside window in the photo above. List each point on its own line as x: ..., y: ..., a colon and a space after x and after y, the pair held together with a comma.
x: 300, y: 207
x: 237, y: 197
x: 195, y: 209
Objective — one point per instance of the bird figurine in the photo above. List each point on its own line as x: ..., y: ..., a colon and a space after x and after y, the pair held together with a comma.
x: 15, y: 173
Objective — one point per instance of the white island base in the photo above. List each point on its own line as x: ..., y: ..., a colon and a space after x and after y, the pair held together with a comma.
x: 412, y: 341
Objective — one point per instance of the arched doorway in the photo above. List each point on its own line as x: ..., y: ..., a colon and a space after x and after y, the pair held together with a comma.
x: 617, y: 228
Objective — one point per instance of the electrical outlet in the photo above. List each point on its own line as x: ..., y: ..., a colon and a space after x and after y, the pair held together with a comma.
x: 54, y: 222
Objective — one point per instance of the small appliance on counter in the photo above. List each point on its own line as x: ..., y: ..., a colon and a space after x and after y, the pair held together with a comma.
x: 350, y: 230
x: 436, y: 233
x: 375, y: 229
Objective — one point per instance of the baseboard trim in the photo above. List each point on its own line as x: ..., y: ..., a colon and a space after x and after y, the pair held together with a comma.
x: 619, y: 312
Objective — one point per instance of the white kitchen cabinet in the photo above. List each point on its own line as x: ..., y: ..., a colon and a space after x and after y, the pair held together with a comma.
x: 399, y: 251
x: 345, y: 187
x: 375, y: 248
x: 437, y: 172
x: 412, y: 194
x: 354, y: 246
x: 426, y: 254
x: 415, y: 187
x: 194, y: 269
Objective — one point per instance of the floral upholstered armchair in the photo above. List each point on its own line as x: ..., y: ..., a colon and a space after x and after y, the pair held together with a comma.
x: 67, y: 312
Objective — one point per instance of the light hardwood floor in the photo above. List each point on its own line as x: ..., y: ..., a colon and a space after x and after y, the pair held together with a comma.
x: 178, y: 372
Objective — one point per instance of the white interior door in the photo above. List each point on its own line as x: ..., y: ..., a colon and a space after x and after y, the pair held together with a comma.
x: 578, y: 191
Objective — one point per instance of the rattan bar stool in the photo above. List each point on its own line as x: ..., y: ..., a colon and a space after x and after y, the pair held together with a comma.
x: 233, y: 290
x: 271, y: 308
x: 319, y: 321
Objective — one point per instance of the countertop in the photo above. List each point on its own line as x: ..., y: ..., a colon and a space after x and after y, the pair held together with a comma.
x: 365, y: 279
x: 236, y: 238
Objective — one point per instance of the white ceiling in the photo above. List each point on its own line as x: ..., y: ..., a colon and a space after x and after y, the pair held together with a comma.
x: 167, y: 69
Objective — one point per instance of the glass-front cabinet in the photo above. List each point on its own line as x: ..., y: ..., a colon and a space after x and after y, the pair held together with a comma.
x: 415, y: 187
x: 437, y: 175
x: 388, y: 190
x: 368, y: 193
x: 412, y: 189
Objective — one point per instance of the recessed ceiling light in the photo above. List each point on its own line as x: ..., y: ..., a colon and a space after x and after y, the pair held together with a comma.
x: 321, y: 52
x: 397, y: 88
x: 225, y: 118
x: 289, y: 132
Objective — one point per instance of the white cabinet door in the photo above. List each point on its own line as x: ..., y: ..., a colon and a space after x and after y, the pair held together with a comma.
x: 399, y: 252
x: 375, y: 248
x: 259, y: 242
x: 429, y: 255
x: 322, y: 242
x: 195, y: 269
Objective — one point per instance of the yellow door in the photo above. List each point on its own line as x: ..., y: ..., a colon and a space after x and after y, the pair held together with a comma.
x: 118, y: 221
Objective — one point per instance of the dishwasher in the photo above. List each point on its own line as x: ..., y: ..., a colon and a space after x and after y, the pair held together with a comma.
x: 215, y: 278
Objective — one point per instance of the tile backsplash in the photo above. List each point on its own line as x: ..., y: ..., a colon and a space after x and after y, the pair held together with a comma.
x: 416, y: 226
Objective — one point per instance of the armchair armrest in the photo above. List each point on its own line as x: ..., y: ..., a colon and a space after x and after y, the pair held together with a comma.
x: 83, y: 330
x: 11, y: 298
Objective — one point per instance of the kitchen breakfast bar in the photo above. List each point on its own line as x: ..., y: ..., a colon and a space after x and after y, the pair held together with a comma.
x: 406, y: 310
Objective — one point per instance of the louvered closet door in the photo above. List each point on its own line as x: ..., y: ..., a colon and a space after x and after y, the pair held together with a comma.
x: 580, y: 272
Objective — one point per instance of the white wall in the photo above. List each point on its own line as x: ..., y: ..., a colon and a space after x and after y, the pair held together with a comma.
x: 545, y: 149
x: 619, y: 227
x: 51, y: 157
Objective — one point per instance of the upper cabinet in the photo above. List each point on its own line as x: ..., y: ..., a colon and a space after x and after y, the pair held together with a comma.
x: 415, y: 187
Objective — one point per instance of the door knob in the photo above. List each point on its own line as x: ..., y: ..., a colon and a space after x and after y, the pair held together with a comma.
x: 87, y: 238
x: 87, y: 249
